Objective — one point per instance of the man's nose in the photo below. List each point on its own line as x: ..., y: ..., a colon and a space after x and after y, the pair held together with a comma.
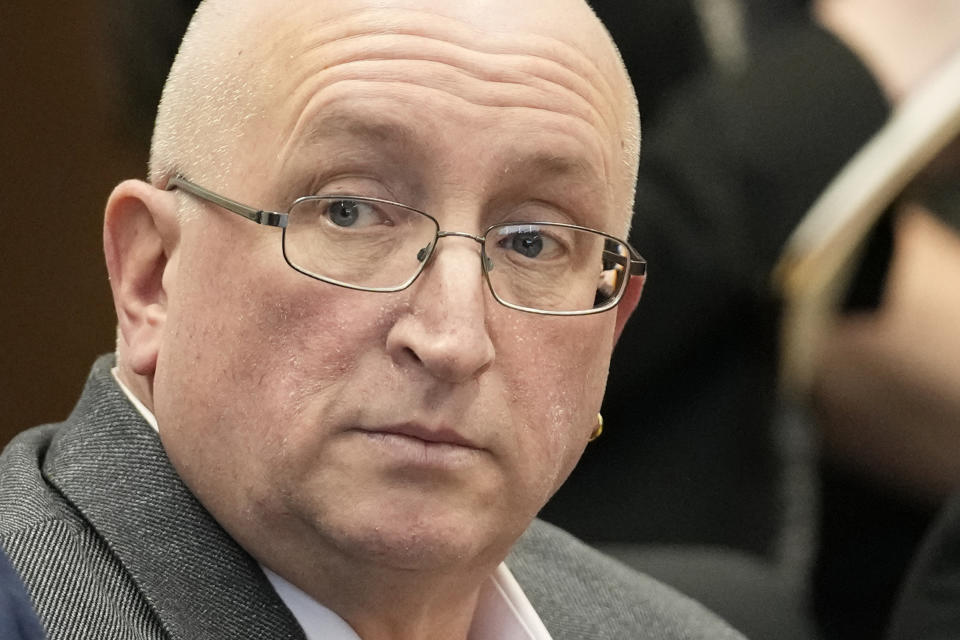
x: 445, y: 330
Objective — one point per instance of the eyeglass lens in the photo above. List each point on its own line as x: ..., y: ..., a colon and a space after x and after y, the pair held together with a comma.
x: 378, y: 245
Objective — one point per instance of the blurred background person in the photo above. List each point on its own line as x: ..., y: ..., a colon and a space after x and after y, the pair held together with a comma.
x: 733, y: 155
x: 871, y: 277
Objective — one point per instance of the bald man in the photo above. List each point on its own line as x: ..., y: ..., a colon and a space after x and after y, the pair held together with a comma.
x: 366, y: 305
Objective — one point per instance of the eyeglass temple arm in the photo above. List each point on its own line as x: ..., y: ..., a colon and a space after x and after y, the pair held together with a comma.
x: 268, y: 218
x: 638, y: 264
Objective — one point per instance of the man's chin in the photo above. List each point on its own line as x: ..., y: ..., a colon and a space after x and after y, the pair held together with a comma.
x: 424, y: 542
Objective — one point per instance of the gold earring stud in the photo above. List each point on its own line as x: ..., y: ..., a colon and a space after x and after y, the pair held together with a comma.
x: 596, y: 432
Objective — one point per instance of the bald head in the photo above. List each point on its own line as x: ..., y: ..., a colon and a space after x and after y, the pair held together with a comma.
x: 236, y: 66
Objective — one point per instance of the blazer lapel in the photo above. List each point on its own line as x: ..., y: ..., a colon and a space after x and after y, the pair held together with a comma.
x: 111, y: 465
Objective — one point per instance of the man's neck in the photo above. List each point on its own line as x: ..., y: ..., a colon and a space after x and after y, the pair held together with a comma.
x: 396, y: 605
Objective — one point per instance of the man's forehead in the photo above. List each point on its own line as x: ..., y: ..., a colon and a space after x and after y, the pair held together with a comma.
x: 277, y: 51
x: 274, y: 36
x: 479, y: 40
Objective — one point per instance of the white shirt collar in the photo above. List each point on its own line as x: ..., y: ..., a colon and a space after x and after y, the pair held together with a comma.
x: 503, y: 610
x: 142, y: 408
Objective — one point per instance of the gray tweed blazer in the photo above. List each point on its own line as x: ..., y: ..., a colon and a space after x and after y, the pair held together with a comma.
x: 111, y: 544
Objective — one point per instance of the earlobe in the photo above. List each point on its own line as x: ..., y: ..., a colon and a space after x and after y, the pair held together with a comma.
x: 628, y: 303
x: 140, y: 236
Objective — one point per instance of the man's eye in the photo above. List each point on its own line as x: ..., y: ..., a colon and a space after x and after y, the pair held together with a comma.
x: 528, y: 244
x: 351, y: 213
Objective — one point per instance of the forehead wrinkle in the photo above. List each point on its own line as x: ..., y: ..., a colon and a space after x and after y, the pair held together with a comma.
x: 312, y: 129
x: 418, y: 23
x: 307, y: 129
x: 508, y: 65
x: 445, y: 80
x: 550, y: 63
x: 513, y: 87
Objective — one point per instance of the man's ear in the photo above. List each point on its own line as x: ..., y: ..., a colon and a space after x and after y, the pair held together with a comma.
x: 628, y: 303
x: 140, y: 236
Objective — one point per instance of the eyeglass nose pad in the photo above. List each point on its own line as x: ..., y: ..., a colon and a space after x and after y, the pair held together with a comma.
x: 487, y: 263
x: 424, y: 253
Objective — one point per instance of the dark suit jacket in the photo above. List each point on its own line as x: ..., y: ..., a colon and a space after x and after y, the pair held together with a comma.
x: 111, y: 544
x: 929, y: 604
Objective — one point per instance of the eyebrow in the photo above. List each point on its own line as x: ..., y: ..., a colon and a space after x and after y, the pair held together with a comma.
x: 554, y: 165
x: 381, y: 131
x: 395, y: 131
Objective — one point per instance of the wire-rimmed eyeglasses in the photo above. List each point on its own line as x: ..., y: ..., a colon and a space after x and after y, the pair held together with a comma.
x: 370, y: 244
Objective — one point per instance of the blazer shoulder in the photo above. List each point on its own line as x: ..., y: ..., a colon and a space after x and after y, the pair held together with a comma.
x: 582, y: 593
x: 76, y: 583
x: 28, y: 495
x: 27, y: 500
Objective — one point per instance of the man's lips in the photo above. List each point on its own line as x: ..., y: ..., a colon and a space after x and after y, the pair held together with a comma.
x: 427, y: 435
x: 413, y: 446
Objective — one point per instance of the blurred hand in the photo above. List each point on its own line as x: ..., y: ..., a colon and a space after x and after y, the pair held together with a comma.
x: 900, y: 41
x: 888, y: 385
